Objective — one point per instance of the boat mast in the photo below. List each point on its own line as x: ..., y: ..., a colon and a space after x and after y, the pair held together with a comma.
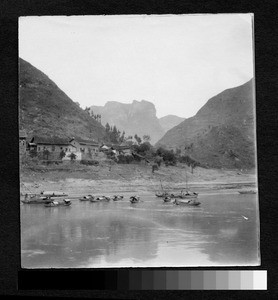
x: 186, y: 179
x: 161, y: 185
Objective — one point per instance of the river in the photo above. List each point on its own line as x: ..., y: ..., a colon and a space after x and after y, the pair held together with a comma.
x: 223, y: 231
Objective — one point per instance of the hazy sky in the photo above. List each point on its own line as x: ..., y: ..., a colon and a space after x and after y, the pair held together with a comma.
x: 177, y: 62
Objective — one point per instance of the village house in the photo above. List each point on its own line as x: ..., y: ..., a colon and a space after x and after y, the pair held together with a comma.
x: 87, y: 148
x: 54, y: 146
x: 83, y: 149
x: 124, y: 149
x: 22, y: 142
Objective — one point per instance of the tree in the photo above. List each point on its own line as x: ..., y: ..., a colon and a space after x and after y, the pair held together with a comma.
x: 107, y: 127
x: 72, y: 157
x: 62, y: 154
x: 122, y: 138
x: 138, y: 139
x: 146, y: 138
x: 87, y: 110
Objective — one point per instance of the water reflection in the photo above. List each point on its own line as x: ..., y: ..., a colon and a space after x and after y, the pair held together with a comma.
x: 150, y: 233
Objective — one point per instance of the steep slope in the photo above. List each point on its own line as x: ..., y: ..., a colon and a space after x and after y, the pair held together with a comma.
x: 222, y: 132
x: 45, y: 110
x: 170, y: 121
x: 139, y: 118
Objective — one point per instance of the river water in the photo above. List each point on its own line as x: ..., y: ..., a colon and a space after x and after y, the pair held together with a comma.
x: 223, y: 231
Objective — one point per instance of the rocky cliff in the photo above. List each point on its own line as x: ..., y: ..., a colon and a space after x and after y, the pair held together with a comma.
x: 138, y: 117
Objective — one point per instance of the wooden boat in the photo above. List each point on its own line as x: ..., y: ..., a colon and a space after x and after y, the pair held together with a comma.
x: 184, y: 202
x: 35, y: 199
x: 53, y: 194
x: 134, y: 199
x: 103, y: 198
x: 65, y: 202
x: 188, y: 195
x: 167, y: 199
x: 162, y: 194
x: 117, y: 197
x: 86, y: 198
x: 247, y: 192
x: 94, y: 199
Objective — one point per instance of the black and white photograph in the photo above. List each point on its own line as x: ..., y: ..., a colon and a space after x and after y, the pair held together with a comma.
x: 137, y: 141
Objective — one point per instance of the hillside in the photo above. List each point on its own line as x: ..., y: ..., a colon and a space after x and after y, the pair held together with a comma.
x: 221, y: 134
x: 138, y: 117
x: 45, y: 110
x: 170, y: 121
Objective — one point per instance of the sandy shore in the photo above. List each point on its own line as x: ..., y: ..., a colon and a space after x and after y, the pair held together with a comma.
x: 79, y: 180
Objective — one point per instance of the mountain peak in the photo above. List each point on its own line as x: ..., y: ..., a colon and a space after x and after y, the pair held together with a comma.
x: 45, y: 110
x: 137, y: 117
x: 225, y: 124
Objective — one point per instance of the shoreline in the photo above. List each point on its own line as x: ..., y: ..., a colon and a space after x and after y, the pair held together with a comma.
x: 132, y: 179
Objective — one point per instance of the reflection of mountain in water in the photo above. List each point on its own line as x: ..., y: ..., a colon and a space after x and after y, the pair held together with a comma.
x: 74, y: 242
x: 148, y: 234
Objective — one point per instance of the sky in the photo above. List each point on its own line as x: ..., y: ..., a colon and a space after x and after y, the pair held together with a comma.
x: 177, y: 62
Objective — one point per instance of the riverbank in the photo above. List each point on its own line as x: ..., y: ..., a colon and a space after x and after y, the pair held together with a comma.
x: 76, y: 180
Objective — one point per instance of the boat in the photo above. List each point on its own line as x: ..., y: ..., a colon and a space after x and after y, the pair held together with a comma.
x: 167, y: 199
x: 162, y: 193
x: 53, y: 194
x: 86, y: 198
x: 247, y: 192
x: 188, y: 195
x: 65, y: 202
x: 117, y: 197
x: 191, y: 202
x: 103, y: 198
x: 134, y: 199
x: 94, y: 199
x: 35, y: 199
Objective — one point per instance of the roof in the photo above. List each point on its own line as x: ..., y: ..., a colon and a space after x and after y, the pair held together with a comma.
x: 50, y: 140
x: 22, y: 134
x: 124, y: 147
x: 85, y: 142
x: 104, y: 147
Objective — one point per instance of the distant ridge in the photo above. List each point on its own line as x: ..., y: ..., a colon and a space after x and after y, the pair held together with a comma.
x: 170, y: 121
x: 45, y: 110
x: 221, y: 134
x: 138, y: 117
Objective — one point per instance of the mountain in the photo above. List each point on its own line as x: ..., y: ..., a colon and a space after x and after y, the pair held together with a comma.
x: 45, y: 110
x: 222, y: 133
x: 138, y: 117
x: 169, y: 122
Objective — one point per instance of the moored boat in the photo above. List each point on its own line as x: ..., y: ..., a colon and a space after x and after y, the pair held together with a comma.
x: 188, y: 195
x: 134, y: 199
x: 53, y: 194
x: 94, y: 199
x: 86, y: 198
x: 103, y: 198
x: 191, y: 202
x: 247, y: 192
x: 35, y: 199
x: 117, y: 197
x: 167, y: 199
x: 65, y: 202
